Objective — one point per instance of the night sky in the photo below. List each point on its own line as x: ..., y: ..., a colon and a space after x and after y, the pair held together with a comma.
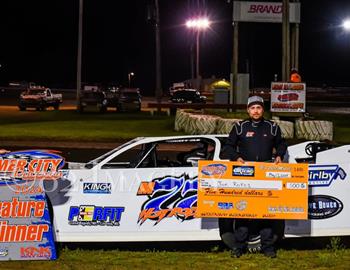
x: 39, y: 43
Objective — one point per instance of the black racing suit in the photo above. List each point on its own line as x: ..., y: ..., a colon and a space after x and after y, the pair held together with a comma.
x: 255, y: 141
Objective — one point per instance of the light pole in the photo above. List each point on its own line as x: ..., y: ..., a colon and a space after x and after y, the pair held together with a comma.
x: 198, y: 25
x: 129, y: 77
x: 80, y: 44
x: 346, y: 25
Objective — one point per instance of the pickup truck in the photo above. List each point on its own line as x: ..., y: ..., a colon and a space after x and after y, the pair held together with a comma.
x: 39, y: 98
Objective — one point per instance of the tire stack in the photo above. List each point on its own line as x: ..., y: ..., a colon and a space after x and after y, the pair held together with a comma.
x: 201, y: 124
x: 314, y: 130
x: 287, y: 128
x: 197, y: 123
x: 181, y: 119
x: 224, y: 126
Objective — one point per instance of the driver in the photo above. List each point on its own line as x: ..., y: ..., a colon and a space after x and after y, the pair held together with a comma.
x: 255, y: 139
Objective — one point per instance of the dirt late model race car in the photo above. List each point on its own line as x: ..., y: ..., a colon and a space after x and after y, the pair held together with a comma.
x: 146, y: 190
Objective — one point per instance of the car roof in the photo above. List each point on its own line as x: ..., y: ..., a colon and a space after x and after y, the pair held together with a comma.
x: 182, y: 137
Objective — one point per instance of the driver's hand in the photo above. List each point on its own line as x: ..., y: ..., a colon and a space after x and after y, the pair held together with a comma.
x: 240, y: 160
x: 278, y: 160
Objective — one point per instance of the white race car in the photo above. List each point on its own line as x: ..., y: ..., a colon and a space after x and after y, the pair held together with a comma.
x: 146, y: 190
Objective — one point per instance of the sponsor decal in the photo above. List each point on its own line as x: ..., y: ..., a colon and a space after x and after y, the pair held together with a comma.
x: 210, y: 203
x: 169, y: 197
x: 21, y: 209
x: 324, y: 206
x: 278, y: 174
x: 35, y: 252
x: 30, y: 165
x: 243, y: 171
x: 265, y: 8
x: 93, y: 215
x: 241, y: 205
x: 324, y: 175
x: 97, y: 188
x: 214, y: 169
x: 250, y: 134
x: 4, y: 252
x: 225, y: 205
x: 285, y: 209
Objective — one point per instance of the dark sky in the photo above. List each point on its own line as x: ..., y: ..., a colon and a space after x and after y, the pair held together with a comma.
x: 39, y: 43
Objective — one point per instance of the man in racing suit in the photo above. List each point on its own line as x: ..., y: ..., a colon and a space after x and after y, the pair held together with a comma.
x: 255, y: 139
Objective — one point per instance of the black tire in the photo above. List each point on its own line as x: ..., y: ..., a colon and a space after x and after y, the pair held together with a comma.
x: 227, y: 228
x: 22, y: 108
x: 56, y: 106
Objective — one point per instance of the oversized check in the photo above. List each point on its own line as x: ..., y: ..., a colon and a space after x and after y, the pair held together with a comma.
x: 252, y: 190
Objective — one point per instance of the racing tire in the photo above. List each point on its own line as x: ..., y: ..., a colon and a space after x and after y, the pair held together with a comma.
x: 227, y: 228
x: 56, y: 106
x: 22, y: 108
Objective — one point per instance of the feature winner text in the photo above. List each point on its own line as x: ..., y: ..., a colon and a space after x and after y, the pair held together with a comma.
x: 21, y: 209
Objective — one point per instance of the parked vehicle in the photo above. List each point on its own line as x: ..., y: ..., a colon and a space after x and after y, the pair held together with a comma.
x: 187, y: 96
x: 126, y: 99
x: 39, y: 98
x: 94, y: 100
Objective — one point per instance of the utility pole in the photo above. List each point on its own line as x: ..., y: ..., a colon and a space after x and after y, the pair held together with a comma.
x: 80, y: 42
x: 198, y: 79
x: 234, y: 68
x: 158, y: 57
x: 285, y: 41
x: 295, y: 44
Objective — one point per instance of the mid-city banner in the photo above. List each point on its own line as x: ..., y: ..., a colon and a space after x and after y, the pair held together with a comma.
x: 252, y: 190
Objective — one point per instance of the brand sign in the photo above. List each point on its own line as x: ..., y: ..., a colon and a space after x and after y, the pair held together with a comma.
x: 269, y: 12
x: 35, y: 252
x: 243, y: 171
x: 225, y: 205
x: 288, y: 97
x: 323, y: 206
x: 97, y: 188
x: 4, y: 252
x: 93, y: 215
x: 324, y: 175
x: 214, y: 169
